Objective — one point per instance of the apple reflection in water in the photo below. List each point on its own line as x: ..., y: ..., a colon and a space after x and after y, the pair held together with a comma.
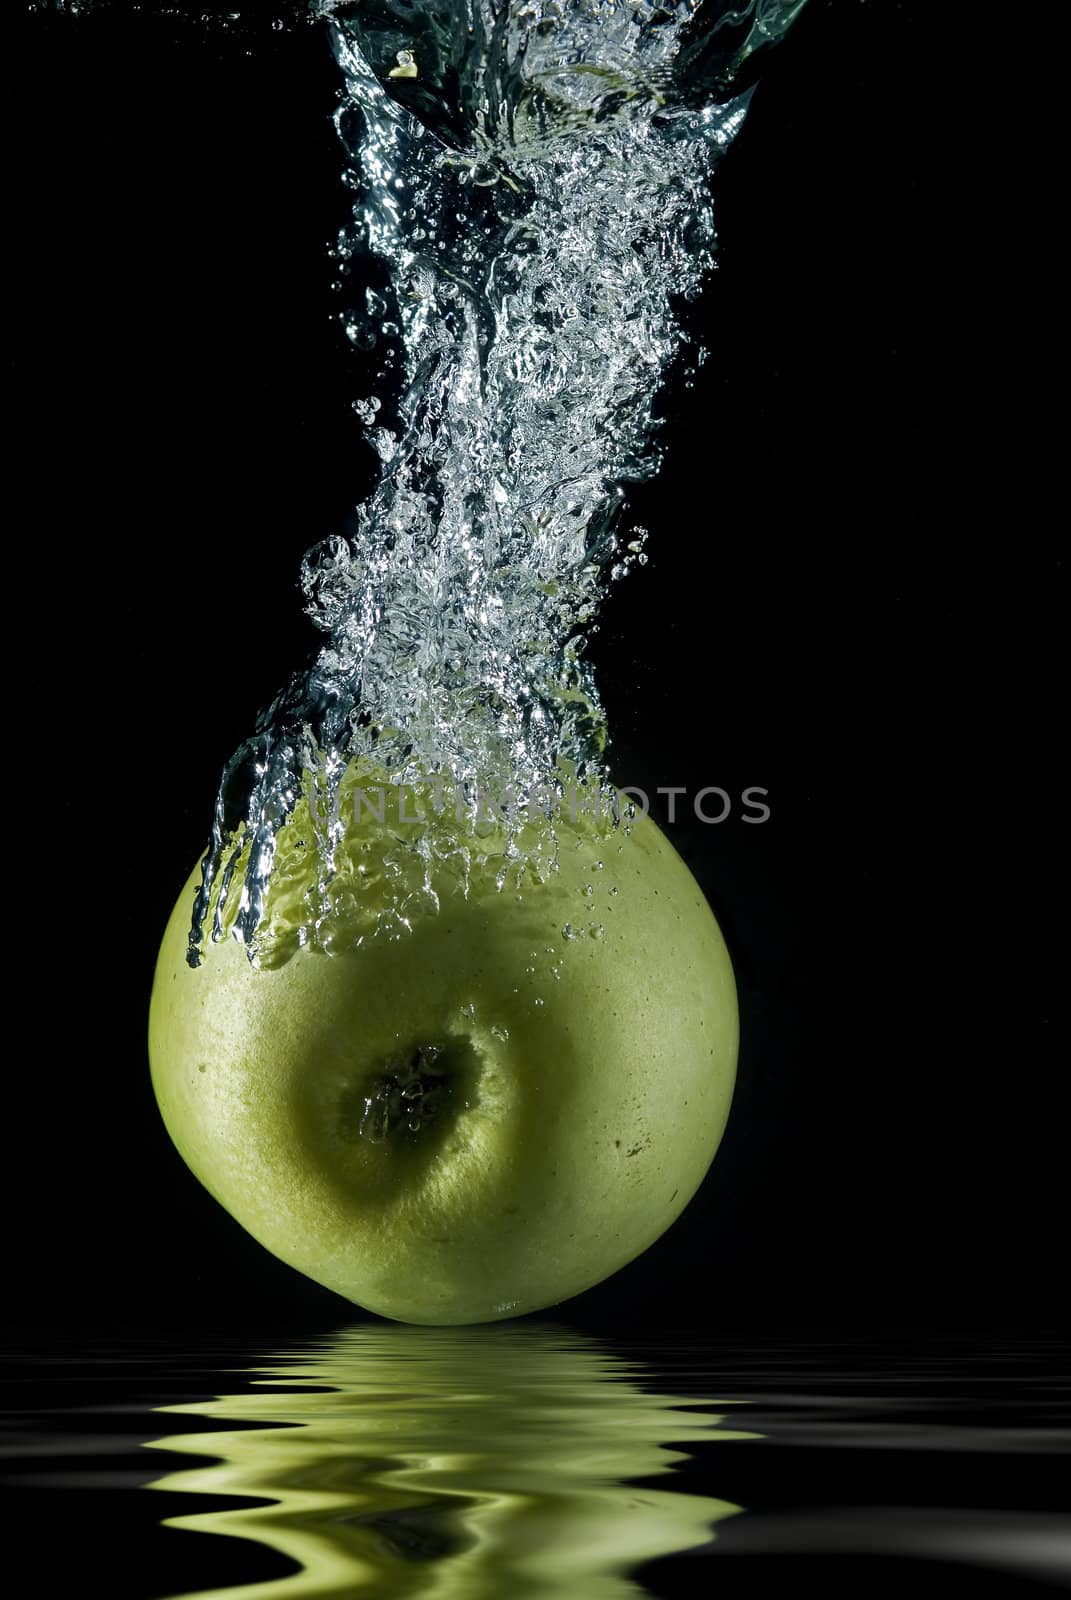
x: 448, y: 1464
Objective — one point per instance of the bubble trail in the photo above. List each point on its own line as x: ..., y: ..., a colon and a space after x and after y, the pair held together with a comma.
x: 532, y: 202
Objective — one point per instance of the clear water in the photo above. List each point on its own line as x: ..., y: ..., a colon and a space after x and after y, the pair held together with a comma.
x: 534, y: 1460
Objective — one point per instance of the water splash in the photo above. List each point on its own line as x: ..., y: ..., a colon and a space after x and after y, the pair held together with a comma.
x: 222, y: 15
x: 532, y: 202
x: 532, y: 184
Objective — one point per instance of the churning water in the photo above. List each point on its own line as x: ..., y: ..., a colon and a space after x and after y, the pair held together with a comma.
x: 532, y: 204
x: 532, y: 198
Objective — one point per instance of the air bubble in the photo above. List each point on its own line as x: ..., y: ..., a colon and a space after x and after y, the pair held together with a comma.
x: 359, y: 334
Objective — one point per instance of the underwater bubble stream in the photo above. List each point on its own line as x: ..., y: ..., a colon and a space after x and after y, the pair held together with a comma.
x: 532, y: 183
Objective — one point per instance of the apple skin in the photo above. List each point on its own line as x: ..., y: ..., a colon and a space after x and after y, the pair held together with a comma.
x: 589, y: 1079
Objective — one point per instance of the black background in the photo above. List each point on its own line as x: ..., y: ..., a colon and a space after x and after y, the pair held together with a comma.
x: 841, y: 606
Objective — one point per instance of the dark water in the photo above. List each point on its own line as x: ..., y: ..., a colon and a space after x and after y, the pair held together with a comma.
x: 531, y: 1460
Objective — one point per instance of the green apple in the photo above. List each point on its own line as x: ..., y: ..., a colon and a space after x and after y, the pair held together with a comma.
x: 473, y: 1083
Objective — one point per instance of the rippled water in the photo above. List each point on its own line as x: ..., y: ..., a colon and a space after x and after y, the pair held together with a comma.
x: 532, y: 1460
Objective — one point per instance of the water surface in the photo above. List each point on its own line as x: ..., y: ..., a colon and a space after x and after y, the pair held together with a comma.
x: 530, y: 1459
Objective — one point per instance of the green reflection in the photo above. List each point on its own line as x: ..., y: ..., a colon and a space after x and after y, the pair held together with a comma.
x: 450, y: 1464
